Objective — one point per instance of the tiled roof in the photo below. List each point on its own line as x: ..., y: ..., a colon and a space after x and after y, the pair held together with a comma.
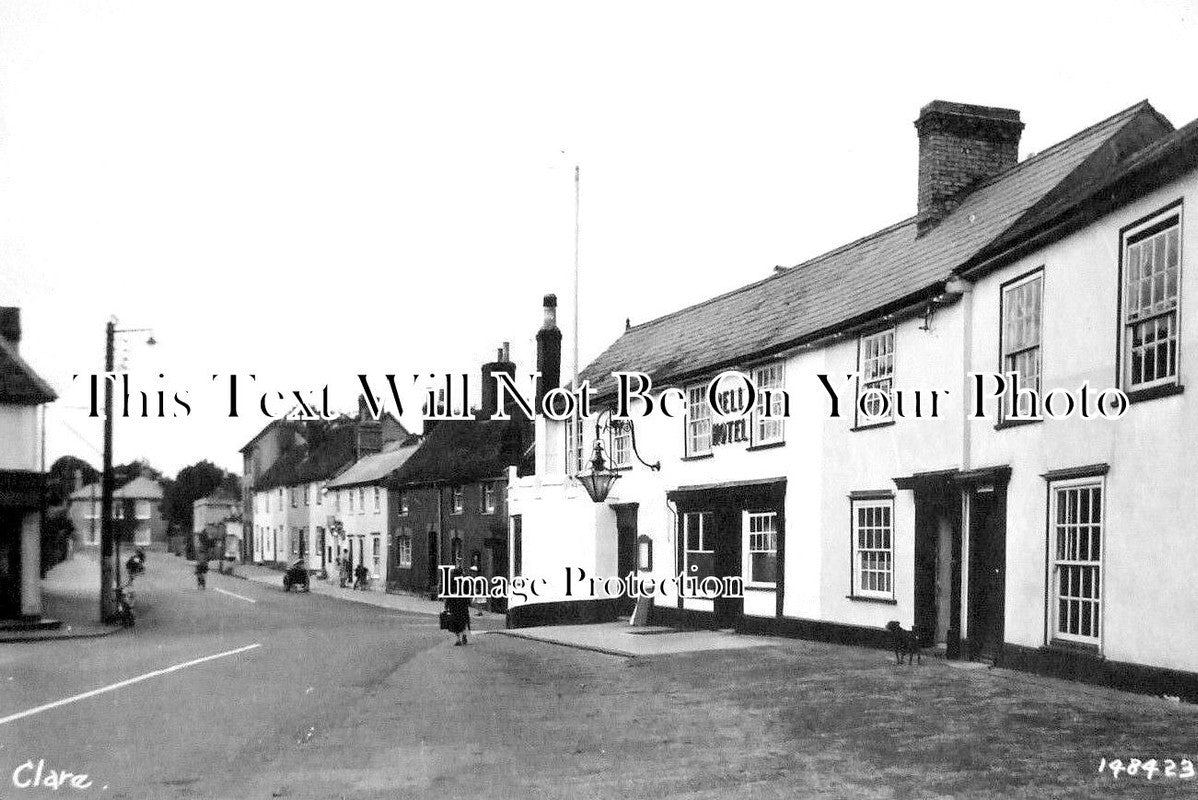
x: 464, y: 451
x: 19, y: 384
x: 373, y: 468
x: 140, y: 488
x: 861, y: 279
x: 329, y: 448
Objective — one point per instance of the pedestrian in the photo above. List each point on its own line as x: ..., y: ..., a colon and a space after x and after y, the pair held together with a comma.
x: 201, y: 573
x: 343, y: 569
x: 458, y: 607
x: 361, y: 577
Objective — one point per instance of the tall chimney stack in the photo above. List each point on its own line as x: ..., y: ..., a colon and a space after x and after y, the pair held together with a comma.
x: 502, y: 363
x: 10, y: 326
x: 959, y: 146
x: 549, y: 352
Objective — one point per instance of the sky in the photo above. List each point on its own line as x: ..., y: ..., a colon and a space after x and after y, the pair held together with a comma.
x: 306, y: 191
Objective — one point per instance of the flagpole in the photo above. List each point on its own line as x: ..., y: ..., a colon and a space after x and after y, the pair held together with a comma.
x: 576, y: 198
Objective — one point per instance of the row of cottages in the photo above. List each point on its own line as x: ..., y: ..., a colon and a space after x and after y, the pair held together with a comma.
x: 450, y: 497
x: 136, y: 506
x: 290, y: 516
x: 23, y: 396
x: 1060, y: 546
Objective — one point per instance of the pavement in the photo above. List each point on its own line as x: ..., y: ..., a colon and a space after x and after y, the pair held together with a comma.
x: 410, y: 604
x: 621, y: 639
x: 70, y: 595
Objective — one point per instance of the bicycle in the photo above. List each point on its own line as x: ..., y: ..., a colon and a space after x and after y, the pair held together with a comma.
x: 124, y: 607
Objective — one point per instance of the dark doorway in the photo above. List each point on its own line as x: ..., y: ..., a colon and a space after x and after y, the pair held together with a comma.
x: 727, y: 563
x: 938, y: 564
x: 10, y: 565
x: 625, y: 551
x: 987, y: 572
x: 434, y: 589
x: 495, y: 564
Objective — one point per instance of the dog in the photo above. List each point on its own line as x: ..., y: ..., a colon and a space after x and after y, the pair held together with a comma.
x: 905, y: 643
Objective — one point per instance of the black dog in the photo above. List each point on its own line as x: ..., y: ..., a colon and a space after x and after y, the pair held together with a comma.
x: 905, y: 643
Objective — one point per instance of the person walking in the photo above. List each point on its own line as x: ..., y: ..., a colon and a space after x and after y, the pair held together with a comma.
x: 458, y: 607
x: 361, y: 577
x: 201, y: 573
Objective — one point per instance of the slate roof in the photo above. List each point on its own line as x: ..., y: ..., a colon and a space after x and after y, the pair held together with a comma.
x: 140, y: 488
x: 374, y: 468
x: 465, y: 451
x: 19, y: 384
x: 882, y: 271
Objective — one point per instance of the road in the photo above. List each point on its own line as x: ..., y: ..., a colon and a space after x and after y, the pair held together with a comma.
x: 311, y: 660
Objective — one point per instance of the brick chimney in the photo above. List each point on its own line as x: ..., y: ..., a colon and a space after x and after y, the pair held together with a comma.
x: 549, y: 352
x: 10, y: 326
x: 959, y: 146
x: 502, y: 363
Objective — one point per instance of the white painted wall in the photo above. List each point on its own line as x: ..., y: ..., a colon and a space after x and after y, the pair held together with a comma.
x: 20, y: 438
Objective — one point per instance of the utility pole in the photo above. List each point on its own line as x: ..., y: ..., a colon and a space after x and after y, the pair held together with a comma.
x: 576, y: 199
x: 107, y: 589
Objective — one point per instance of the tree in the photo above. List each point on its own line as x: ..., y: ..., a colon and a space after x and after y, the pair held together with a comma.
x: 60, y: 479
x: 193, y: 482
x: 56, y: 539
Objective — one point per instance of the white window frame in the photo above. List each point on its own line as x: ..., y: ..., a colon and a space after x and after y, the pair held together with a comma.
x: 457, y: 500
x: 487, y: 498
x: 361, y: 499
x: 378, y: 500
x: 376, y: 551
x: 772, y: 430
x: 882, y: 530
x: 307, y: 494
x: 876, y: 367
x: 1163, y: 309
x: 1066, y: 555
x: 573, y: 441
x: 145, y: 506
x: 763, y: 540
x: 703, y: 519
x: 350, y: 495
x: 620, y: 445
x: 403, y: 502
x: 403, y: 547
x: 1013, y: 356
x: 697, y: 421
x: 319, y: 495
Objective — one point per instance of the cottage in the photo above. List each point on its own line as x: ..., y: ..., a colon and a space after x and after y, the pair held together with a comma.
x: 137, y: 506
x: 22, y: 474
x: 1030, y: 544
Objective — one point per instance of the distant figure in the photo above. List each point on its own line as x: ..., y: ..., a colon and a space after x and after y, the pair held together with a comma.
x: 458, y: 608
x: 361, y: 576
x: 201, y: 573
x: 343, y: 571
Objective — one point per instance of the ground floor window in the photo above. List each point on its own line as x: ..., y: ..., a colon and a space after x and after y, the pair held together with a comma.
x: 376, y: 550
x: 873, y: 548
x: 698, y: 556
x: 1076, y: 519
x: 760, y: 547
x: 403, y: 551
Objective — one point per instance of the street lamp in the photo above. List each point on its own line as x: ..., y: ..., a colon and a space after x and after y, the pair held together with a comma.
x: 599, y: 481
x: 109, y: 568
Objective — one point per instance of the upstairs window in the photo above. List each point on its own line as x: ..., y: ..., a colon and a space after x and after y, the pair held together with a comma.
x: 1022, y: 323
x: 769, y: 430
x: 361, y: 499
x: 457, y: 499
x: 307, y: 490
x: 620, y: 449
x: 698, y: 421
x: 487, y: 504
x: 350, y: 496
x: 319, y: 495
x: 403, y: 502
x: 378, y: 500
x: 1151, y: 296
x: 876, y: 365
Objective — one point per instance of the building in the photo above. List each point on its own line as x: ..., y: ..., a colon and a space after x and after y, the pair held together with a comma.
x: 137, y: 506
x: 258, y: 455
x: 211, y: 521
x: 1038, y: 545
x: 364, y: 518
x: 23, y: 395
x: 450, y: 497
x: 291, y: 519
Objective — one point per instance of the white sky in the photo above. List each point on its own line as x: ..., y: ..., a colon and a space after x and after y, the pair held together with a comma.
x: 309, y: 190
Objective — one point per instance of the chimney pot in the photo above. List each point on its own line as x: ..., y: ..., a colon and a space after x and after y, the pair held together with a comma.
x: 959, y: 146
x: 10, y: 325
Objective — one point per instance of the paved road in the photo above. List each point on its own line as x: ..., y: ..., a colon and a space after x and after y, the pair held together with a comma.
x: 310, y: 660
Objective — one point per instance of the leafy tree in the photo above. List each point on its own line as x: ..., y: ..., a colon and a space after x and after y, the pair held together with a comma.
x: 193, y: 482
x: 60, y: 479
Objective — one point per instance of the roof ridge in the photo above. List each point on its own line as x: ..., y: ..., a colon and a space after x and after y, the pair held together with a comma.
x: 1036, y: 158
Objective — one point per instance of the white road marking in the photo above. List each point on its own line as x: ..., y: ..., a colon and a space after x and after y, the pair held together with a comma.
x: 234, y: 594
x: 121, y: 684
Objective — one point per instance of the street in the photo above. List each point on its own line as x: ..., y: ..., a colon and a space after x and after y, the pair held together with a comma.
x: 341, y: 699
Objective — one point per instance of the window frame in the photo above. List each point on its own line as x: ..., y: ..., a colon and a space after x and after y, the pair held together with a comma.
x: 696, y: 398
x: 864, y: 385
x: 1005, y: 417
x: 747, y: 550
x: 857, y: 588
x: 619, y: 444
x: 402, y: 502
x: 487, y: 491
x: 705, y: 518
x: 1055, y: 488
x: 403, y: 544
x: 378, y: 500
x: 756, y: 422
x: 1169, y: 217
x: 457, y: 500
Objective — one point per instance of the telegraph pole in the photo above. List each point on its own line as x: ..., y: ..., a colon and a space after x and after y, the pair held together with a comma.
x: 576, y: 204
x: 107, y: 589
